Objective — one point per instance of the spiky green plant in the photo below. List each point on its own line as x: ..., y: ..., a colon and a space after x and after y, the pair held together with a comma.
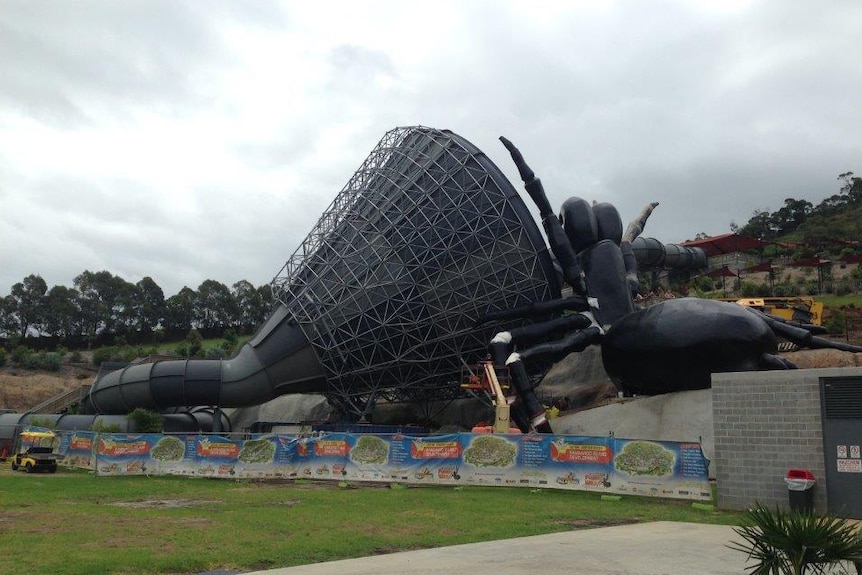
x: 795, y: 543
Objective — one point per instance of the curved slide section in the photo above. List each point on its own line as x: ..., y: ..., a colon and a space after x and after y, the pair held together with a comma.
x: 202, y: 419
x: 277, y: 360
x: 651, y: 253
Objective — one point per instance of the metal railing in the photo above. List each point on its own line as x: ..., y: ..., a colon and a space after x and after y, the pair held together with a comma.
x: 63, y: 401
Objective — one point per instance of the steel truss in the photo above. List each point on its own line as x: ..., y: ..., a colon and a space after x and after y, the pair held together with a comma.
x: 427, y: 236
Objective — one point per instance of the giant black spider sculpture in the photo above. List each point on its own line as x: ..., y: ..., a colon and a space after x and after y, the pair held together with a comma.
x: 672, y: 346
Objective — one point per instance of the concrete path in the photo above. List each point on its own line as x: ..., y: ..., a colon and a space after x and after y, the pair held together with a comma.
x: 660, y: 548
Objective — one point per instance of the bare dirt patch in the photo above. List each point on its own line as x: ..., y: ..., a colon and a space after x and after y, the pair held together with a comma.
x: 593, y: 523
x: 164, y: 503
x: 22, y: 389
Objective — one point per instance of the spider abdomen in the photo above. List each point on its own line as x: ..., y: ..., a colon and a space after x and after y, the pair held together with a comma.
x: 677, y: 344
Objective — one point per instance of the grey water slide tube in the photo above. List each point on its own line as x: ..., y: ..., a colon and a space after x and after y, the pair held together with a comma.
x: 277, y: 360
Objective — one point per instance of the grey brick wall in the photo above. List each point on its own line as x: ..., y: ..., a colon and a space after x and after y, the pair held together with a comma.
x: 764, y: 424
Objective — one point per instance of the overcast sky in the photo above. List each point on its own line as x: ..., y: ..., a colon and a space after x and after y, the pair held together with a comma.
x: 192, y: 140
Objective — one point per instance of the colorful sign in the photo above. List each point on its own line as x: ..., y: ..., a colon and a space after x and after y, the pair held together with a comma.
x: 605, y: 464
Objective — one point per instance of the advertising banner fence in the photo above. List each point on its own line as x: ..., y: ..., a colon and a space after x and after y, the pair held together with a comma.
x: 606, y: 464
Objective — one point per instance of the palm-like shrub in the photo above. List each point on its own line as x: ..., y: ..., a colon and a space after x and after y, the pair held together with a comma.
x: 796, y: 543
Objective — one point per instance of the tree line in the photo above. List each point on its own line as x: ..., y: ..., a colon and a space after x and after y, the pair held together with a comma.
x: 833, y: 224
x: 101, y: 307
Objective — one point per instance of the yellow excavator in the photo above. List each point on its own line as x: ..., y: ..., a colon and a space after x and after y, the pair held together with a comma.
x: 801, y: 309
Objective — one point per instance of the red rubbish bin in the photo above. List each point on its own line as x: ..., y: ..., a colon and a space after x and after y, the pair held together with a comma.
x: 800, y: 490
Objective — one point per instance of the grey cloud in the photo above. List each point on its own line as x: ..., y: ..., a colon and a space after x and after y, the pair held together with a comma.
x: 68, y: 61
x: 713, y: 115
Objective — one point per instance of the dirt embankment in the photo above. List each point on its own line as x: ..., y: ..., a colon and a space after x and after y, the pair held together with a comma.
x: 23, y: 389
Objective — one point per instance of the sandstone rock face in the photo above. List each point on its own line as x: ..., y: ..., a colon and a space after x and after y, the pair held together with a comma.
x: 579, y: 377
x: 818, y: 358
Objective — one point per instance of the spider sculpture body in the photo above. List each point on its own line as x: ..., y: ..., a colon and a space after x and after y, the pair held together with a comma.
x: 672, y: 346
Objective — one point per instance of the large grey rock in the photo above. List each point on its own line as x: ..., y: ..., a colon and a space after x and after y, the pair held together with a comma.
x: 294, y: 408
x: 580, y: 378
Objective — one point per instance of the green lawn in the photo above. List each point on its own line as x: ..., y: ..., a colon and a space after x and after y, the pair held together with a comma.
x: 836, y: 301
x: 73, y: 522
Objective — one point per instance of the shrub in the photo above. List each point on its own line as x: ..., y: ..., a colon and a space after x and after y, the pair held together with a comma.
x: 836, y: 321
x: 794, y: 543
x: 195, y: 341
x: 44, y: 423
x: 102, y: 355
x: 32, y: 361
x: 100, y: 427
x: 840, y: 288
x: 2, y: 357
x: 214, y: 353
x: 785, y: 290
x: 751, y: 289
x: 230, y: 336
x: 50, y: 361
x: 146, y: 421
x: 19, y: 355
x: 76, y: 357
x: 704, y: 283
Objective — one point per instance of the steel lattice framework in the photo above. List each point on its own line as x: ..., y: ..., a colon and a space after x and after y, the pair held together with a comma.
x: 427, y: 236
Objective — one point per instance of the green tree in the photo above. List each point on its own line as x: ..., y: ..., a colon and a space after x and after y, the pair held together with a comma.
x: 760, y: 226
x: 149, y: 305
x: 105, y: 300
x: 249, y: 304
x: 62, y: 312
x: 28, y: 299
x: 267, y: 302
x: 215, y: 309
x: 851, y: 187
x: 791, y: 216
x: 123, y: 312
x: 8, y: 318
x: 180, y: 311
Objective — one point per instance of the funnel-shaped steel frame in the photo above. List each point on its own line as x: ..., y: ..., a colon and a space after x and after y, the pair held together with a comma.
x: 426, y: 237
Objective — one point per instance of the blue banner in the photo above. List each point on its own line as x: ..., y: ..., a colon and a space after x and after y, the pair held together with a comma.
x: 603, y: 464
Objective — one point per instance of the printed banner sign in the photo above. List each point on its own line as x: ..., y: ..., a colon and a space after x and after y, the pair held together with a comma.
x: 606, y: 464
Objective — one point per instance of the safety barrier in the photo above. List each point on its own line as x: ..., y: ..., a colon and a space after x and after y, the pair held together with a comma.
x: 605, y: 464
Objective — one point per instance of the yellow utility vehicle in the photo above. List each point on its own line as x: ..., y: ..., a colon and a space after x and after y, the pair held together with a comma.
x: 802, y: 309
x: 35, y: 452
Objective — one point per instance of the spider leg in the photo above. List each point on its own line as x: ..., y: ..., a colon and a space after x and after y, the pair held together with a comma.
x: 576, y: 341
x: 769, y: 361
x: 502, y: 345
x: 557, y: 239
x: 573, y: 303
x: 803, y: 334
x: 504, y: 342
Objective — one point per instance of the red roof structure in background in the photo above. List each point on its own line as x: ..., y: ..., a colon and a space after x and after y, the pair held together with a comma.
x: 725, y: 244
x: 722, y: 272
x: 764, y: 267
x: 811, y: 263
